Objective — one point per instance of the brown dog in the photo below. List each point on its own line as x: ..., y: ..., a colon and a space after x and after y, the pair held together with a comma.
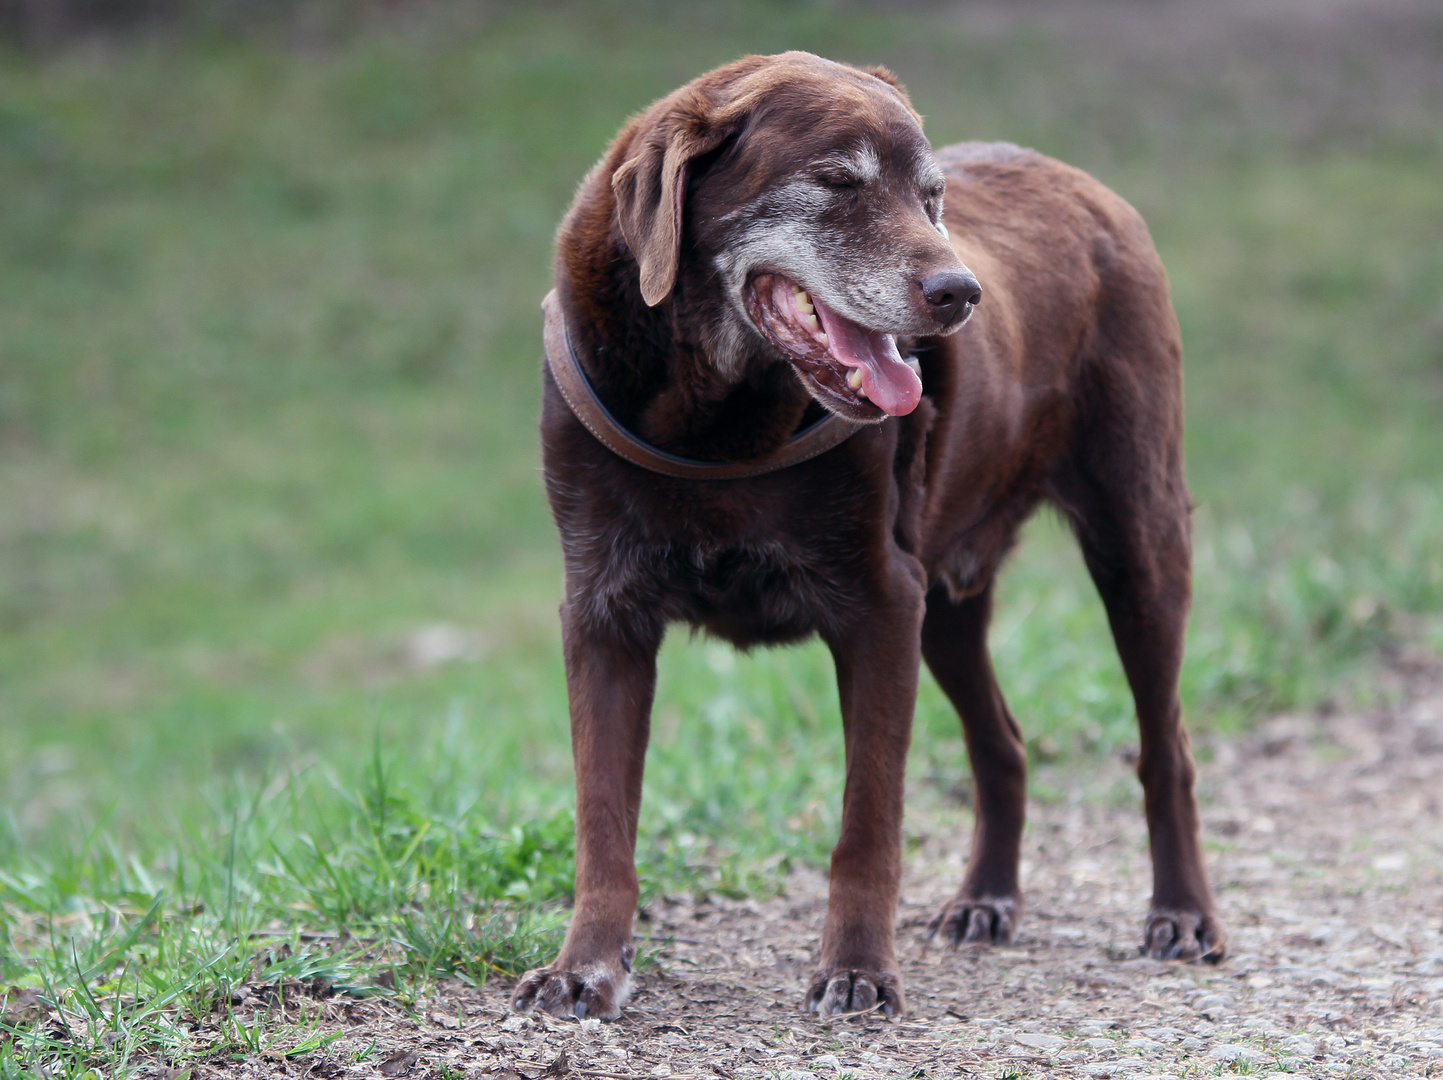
x: 744, y: 260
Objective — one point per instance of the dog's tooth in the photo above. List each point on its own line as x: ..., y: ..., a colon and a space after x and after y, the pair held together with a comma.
x: 822, y: 337
x: 812, y: 323
x: 804, y: 301
x: 941, y: 228
x: 862, y: 392
x: 854, y: 378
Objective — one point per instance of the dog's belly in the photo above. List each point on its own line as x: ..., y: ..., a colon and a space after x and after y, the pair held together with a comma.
x: 968, y: 558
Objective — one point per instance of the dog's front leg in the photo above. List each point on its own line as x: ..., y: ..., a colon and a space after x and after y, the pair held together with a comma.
x: 610, y: 678
x: 877, y: 660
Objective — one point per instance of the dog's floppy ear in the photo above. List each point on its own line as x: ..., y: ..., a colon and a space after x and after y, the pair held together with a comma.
x: 650, y: 188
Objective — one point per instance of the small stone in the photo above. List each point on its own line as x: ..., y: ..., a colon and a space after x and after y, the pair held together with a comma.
x: 517, y: 1023
x: 1147, y: 1046
x: 1040, y: 1042
x: 661, y: 1071
x: 1234, y: 1052
x: 1192, y: 1042
x: 827, y: 1061
x: 1213, y: 1006
x: 1098, y: 1044
x: 1300, y: 1044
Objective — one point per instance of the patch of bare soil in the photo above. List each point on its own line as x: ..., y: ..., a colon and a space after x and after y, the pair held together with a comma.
x: 1326, y: 844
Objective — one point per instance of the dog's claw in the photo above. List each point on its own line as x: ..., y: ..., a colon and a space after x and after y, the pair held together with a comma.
x: 966, y: 921
x: 1188, y: 936
x: 849, y: 990
x: 596, y: 990
x: 983, y: 925
x: 846, y: 994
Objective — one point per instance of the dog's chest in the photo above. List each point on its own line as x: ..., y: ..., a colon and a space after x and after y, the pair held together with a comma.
x: 753, y: 563
x: 753, y: 594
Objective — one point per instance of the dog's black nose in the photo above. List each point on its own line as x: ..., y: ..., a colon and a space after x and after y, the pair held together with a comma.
x: 949, y: 292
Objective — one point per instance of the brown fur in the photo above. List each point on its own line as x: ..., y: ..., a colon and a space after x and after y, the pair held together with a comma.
x: 1064, y: 387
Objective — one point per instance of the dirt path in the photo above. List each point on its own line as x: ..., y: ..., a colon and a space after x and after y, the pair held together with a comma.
x: 1326, y: 840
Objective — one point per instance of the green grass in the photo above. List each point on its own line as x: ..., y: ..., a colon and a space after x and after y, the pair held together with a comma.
x: 268, y: 381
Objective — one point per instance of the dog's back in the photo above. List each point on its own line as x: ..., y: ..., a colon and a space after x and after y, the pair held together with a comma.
x: 1076, y: 296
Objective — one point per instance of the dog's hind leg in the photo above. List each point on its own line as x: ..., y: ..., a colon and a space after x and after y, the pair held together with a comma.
x: 611, y: 680
x: 1130, y: 507
x: 954, y: 644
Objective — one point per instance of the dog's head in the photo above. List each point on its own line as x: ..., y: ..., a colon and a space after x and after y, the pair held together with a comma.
x: 794, y: 206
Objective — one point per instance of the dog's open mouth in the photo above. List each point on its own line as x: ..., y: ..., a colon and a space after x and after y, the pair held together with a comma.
x: 853, y: 371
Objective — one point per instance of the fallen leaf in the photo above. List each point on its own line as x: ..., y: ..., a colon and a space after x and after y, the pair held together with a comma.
x: 21, y: 1007
x: 398, y: 1063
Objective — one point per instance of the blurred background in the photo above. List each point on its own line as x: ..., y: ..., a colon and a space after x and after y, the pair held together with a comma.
x: 273, y: 546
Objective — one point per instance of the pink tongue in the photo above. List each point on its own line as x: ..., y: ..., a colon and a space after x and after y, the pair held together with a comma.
x: 889, y: 383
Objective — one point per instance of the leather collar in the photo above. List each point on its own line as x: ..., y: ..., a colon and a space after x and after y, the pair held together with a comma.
x: 815, y: 439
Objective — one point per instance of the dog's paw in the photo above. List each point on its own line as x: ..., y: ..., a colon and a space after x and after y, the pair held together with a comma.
x: 586, y: 991
x: 1184, y: 935
x: 851, y: 990
x: 966, y: 920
